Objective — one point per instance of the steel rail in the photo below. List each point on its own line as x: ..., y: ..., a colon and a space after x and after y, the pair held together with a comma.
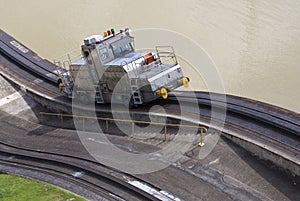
x: 264, y: 112
x: 63, y: 164
x: 22, y: 167
x: 19, y: 53
x: 290, y: 135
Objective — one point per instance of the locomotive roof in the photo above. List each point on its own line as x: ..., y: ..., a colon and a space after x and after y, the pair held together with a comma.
x: 118, y: 62
x: 125, y: 59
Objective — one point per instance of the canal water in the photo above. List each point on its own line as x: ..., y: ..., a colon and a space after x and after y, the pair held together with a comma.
x: 254, y: 44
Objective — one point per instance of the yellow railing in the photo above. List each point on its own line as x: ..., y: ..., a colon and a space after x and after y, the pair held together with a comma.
x: 202, y: 129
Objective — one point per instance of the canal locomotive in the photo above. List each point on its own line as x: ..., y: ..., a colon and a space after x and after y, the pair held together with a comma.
x: 111, y: 71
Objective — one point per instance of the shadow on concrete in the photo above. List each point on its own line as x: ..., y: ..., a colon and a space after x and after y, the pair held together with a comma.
x: 281, y: 180
x: 42, y: 130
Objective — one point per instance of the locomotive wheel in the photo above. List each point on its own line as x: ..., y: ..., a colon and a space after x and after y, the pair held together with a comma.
x: 185, y: 81
x: 164, y: 93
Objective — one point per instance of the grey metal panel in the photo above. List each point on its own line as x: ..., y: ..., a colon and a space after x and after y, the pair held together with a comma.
x: 80, y: 62
x: 123, y: 41
x: 126, y: 59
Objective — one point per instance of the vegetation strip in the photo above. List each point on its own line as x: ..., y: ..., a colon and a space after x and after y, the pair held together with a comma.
x: 19, y: 188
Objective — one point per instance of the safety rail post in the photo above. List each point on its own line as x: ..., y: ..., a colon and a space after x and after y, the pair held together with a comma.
x: 132, y: 128
x: 69, y: 58
x: 83, y: 123
x: 106, y: 125
x: 201, y: 143
x: 203, y: 130
x: 165, y: 132
x: 61, y: 120
x: 42, y: 118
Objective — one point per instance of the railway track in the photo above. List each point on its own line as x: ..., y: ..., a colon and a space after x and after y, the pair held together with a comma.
x: 98, y: 181
x: 270, y: 114
x: 27, y: 58
x: 284, y: 129
x: 266, y: 126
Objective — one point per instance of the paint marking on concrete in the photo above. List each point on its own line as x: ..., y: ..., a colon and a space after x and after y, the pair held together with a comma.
x: 19, y: 46
x: 20, y: 109
x: 37, y: 81
x: 10, y: 98
x: 237, y: 183
x: 214, y: 161
x: 15, y: 103
x: 161, y: 195
x: 117, y: 197
x: 78, y: 174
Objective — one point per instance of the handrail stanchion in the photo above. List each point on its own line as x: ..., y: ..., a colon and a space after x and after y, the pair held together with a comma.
x: 165, y: 133
x: 203, y: 130
x: 61, y: 121
x: 201, y: 143
x: 42, y: 118
x: 132, y: 128
x: 83, y: 123
x: 106, y: 126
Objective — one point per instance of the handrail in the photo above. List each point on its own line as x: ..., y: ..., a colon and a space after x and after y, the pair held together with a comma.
x: 75, y: 53
x: 167, y: 52
x: 203, y: 130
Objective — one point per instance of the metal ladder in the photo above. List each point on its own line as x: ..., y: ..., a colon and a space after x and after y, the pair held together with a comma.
x: 67, y: 81
x: 98, y: 94
x: 95, y: 80
x: 136, y: 94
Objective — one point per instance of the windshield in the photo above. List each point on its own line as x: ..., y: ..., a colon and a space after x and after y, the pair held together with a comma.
x: 122, y: 50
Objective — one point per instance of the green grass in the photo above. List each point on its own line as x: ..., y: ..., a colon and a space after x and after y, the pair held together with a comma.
x: 14, y: 188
